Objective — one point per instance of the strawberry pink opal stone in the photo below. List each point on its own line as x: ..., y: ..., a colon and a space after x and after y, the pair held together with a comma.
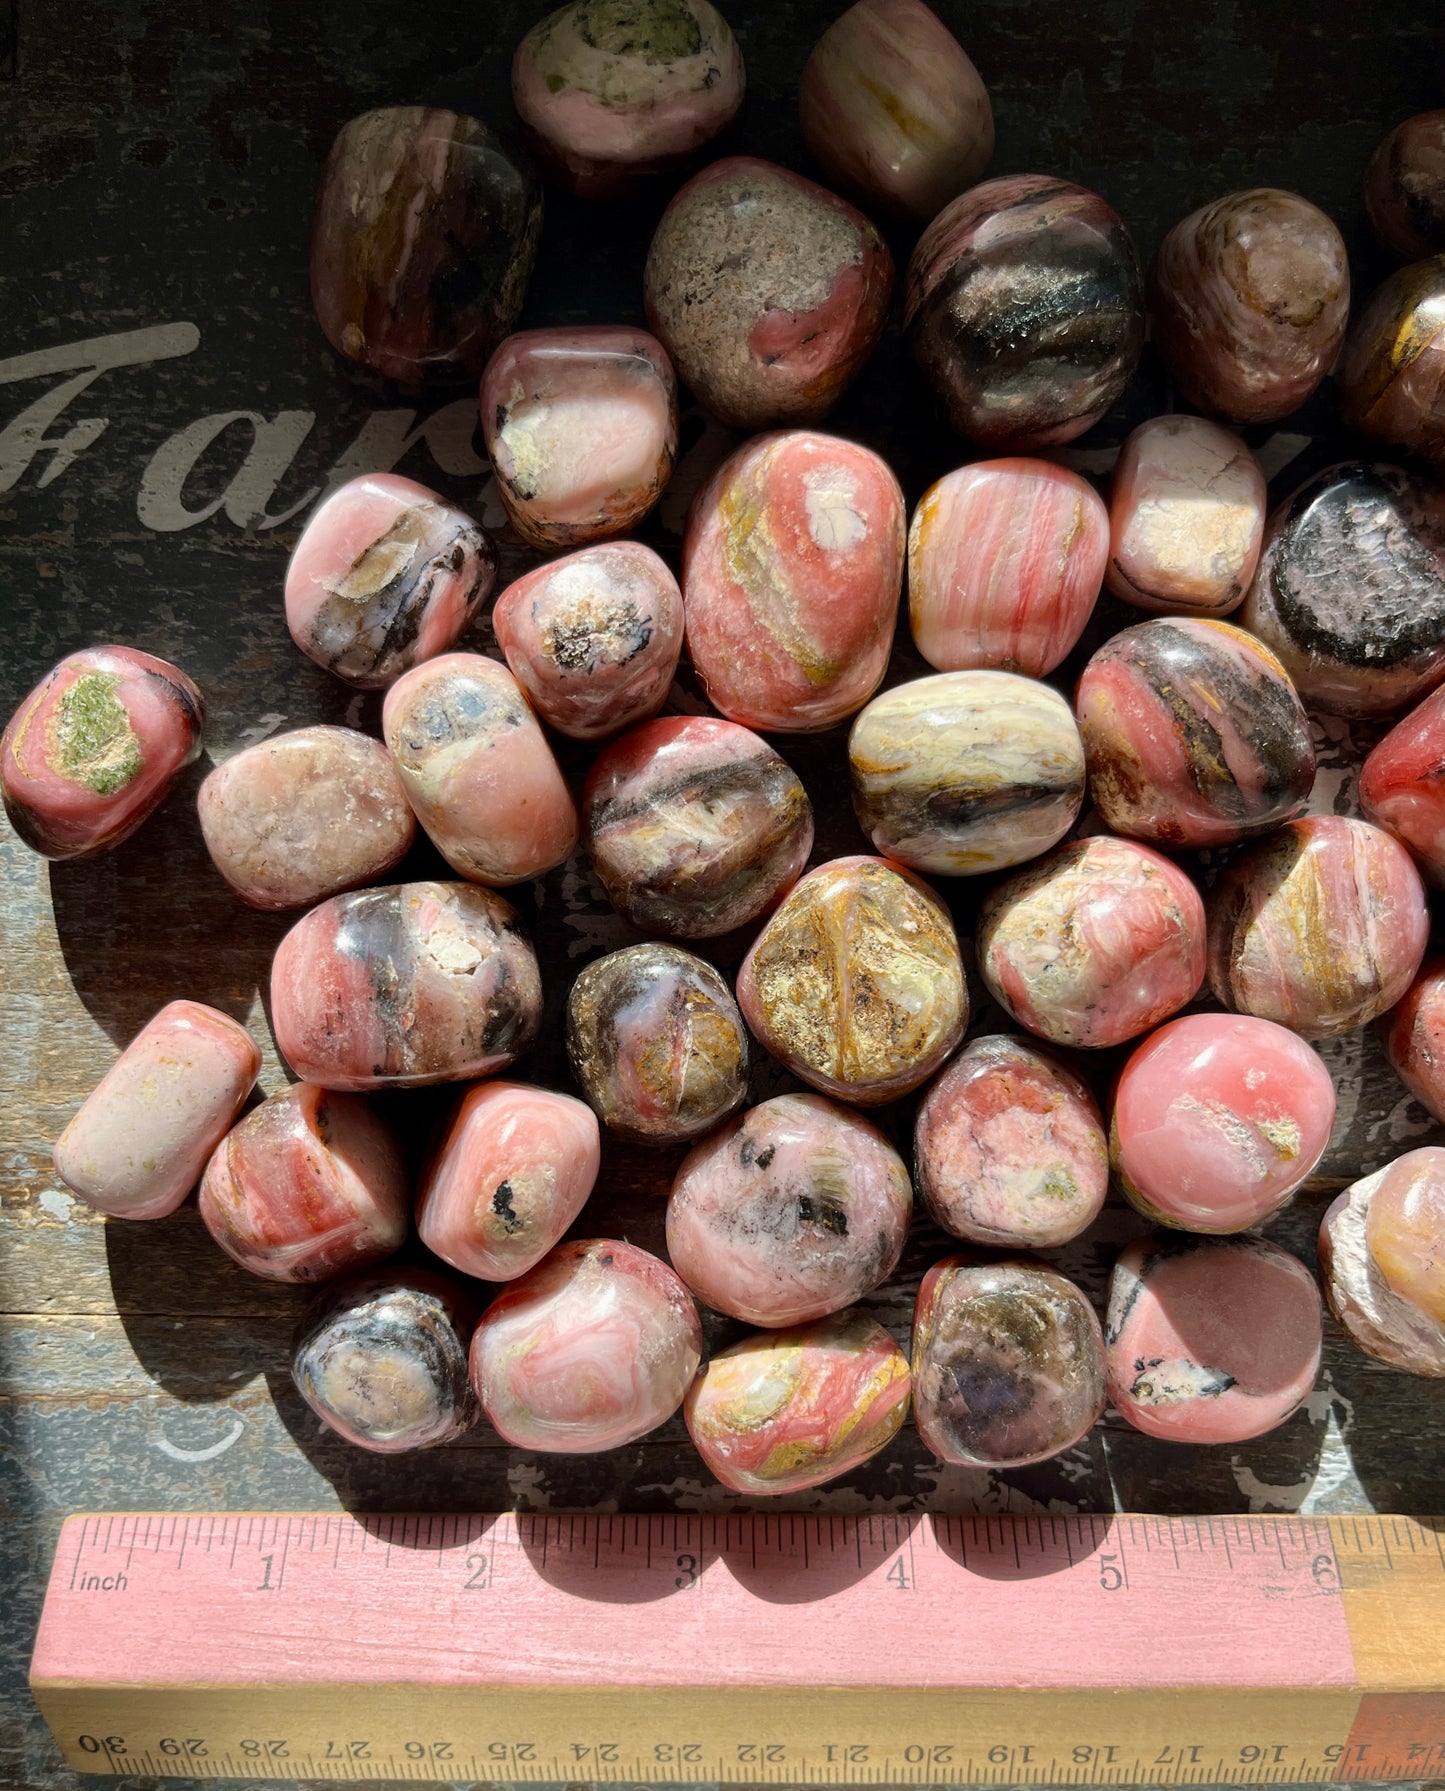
x: 786, y: 1410
x: 1094, y: 943
x: 93, y: 750
x: 137, y: 1146
x: 1382, y: 1260
x: 1415, y: 1037
x: 581, y: 428
x: 792, y: 1210
x: 792, y: 566
x: 1218, y: 1119
x: 1005, y: 563
x: 308, y: 1186
x: 592, y: 1349
x: 512, y: 1171
x: 1402, y: 785
x: 1211, y: 1341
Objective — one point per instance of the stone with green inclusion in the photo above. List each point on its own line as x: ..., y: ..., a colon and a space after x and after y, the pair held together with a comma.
x: 94, y: 741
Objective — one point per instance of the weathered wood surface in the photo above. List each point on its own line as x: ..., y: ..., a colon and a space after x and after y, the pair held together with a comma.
x: 161, y: 160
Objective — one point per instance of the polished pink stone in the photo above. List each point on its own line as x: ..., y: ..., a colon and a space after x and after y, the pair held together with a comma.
x: 581, y: 427
x: 1392, y: 373
x: 593, y: 639
x: 1218, y: 1119
x: 796, y: 1208
x: 893, y: 108
x: 791, y: 570
x: 305, y: 815
x: 785, y: 1410
x: 478, y: 771
x: 137, y: 1146
x: 1415, y: 1037
x: 1186, y: 517
x: 512, y: 1171
x: 610, y: 95
x: 695, y: 826
x: 1094, y: 943
x: 1009, y: 1148
x: 1211, y: 1341
x: 1320, y: 926
x: 1382, y: 1260
x: 405, y: 985
x: 769, y: 292
x: 1402, y: 785
x: 93, y: 750
x: 1405, y: 187
x: 1008, y: 1362
x: 1005, y: 563
x: 591, y: 1349
x: 385, y: 575
x: 308, y: 1186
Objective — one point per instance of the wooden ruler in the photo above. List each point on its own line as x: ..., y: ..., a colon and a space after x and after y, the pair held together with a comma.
x: 759, y: 1649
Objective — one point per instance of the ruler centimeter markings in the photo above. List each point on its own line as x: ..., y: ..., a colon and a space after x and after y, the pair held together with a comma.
x: 767, y: 1648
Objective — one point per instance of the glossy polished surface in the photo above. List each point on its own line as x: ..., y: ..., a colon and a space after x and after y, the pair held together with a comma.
x: 426, y: 229
x: 1320, y: 927
x: 791, y: 570
x: 1248, y: 301
x: 592, y: 1349
x: 1414, y: 1035
x: 794, y: 1209
x: 1008, y: 1363
x: 1218, y: 1120
x: 1405, y: 187
x: 1350, y: 591
x: 1211, y: 1342
x: 1392, y: 380
x: 92, y: 752
x: 386, y: 574
x: 769, y: 292
x: 1005, y: 562
x: 1093, y: 944
x: 1382, y: 1261
x: 1402, y: 785
x: 785, y: 1410
x: 1024, y: 310
x: 695, y: 826
x: 966, y: 772
x: 1193, y: 733
x: 405, y: 985
x: 856, y: 984
x: 894, y: 109
x: 1009, y: 1149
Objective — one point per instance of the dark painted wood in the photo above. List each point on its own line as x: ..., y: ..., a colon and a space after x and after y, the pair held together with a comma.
x: 161, y: 159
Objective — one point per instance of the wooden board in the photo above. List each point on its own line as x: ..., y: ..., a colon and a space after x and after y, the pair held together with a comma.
x: 161, y: 160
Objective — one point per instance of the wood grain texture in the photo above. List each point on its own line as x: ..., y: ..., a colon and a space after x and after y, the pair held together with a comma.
x: 163, y: 157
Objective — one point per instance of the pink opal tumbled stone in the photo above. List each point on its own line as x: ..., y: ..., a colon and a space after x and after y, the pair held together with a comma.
x: 695, y: 826
x: 1405, y: 187
x: 591, y: 1349
x: 794, y: 1209
x: 856, y: 984
x: 94, y: 749
x: 581, y: 428
x: 1008, y: 1362
x: 305, y: 815
x: 785, y: 1410
x: 1005, y: 563
x: 478, y: 771
x: 791, y: 570
x: 1094, y: 943
x: 1392, y: 373
x: 1186, y: 518
x: 1414, y: 1033
x: 611, y: 94
x: 138, y: 1144
x: 308, y: 1186
x: 1382, y: 1262
x: 1009, y: 1148
x: 405, y: 985
x: 512, y: 1171
x: 1211, y: 1341
x: 593, y: 639
x: 1320, y: 926
x: 893, y: 108
x: 1218, y: 1119
x: 1402, y: 785
x: 769, y: 292
x: 385, y: 575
